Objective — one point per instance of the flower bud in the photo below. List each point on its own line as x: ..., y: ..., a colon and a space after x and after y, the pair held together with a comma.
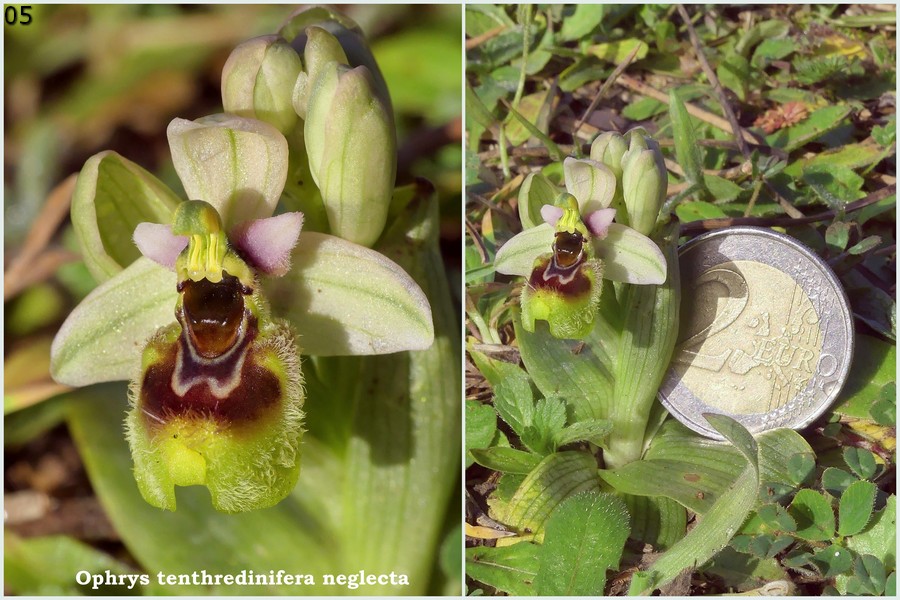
x: 347, y: 33
x: 352, y: 148
x: 644, y: 182
x: 258, y: 81
x: 608, y: 149
x: 321, y: 49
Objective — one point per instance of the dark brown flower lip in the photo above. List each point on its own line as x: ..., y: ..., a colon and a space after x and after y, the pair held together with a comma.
x: 255, y: 391
x: 570, y: 281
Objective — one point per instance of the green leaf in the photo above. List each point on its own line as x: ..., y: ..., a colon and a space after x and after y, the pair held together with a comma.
x: 44, y: 566
x: 549, y: 420
x: 481, y: 425
x: 722, y: 190
x: 855, y: 508
x: 556, y: 478
x: 536, y: 191
x: 535, y: 108
x: 698, y: 211
x: 103, y: 337
x: 862, y: 462
x: 719, y: 524
x: 801, y: 467
x: 869, y: 577
x: 879, y: 538
x: 111, y: 197
x: 509, y: 569
x: 380, y: 310
x: 579, y: 373
x: 771, y: 50
x: 837, y: 235
x: 836, y: 481
x: 817, y: 124
x: 687, y: 150
x: 876, y: 366
x: 643, y: 109
x: 742, y: 573
x: 833, y: 560
x: 734, y: 73
x: 656, y: 520
x: 886, y: 134
x: 865, y: 245
x: 850, y: 156
x: 696, y: 472
x: 582, y: 21
x: 514, y: 401
x: 506, y: 460
x: 836, y: 186
x: 767, y: 545
x: 550, y: 145
x: 590, y: 430
x: 584, y: 538
x: 814, y: 516
x: 616, y: 52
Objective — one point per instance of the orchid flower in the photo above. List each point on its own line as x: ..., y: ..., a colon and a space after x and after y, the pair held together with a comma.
x: 582, y: 238
x: 216, y: 391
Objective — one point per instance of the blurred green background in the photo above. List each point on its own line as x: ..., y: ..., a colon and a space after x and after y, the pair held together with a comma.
x: 82, y: 79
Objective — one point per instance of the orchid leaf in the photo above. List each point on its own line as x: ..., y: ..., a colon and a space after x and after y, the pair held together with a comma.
x: 585, y: 382
x: 517, y: 256
x: 630, y: 257
x: 238, y: 165
x: 719, y: 524
x: 102, y: 339
x: 556, y: 478
x: 592, y: 183
x: 111, y: 197
x: 345, y: 299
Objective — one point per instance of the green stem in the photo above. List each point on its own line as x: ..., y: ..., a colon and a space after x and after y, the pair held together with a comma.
x: 644, y: 351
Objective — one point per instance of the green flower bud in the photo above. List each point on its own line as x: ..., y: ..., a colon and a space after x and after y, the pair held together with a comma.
x: 644, y: 182
x: 258, y: 81
x: 321, y: 49
x: 608, y: 149
x: 347, y: 33
x: 352, y: 148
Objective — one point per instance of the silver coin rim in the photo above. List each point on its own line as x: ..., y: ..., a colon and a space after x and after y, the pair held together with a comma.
x: 844, y: 302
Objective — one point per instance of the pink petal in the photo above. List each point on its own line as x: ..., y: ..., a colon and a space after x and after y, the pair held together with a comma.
x: 551, y: 214
x: 159, y: 244
x: 267, y: 243
x: 598, y: 221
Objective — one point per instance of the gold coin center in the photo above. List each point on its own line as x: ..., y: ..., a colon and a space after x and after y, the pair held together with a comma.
x: 750, y: 338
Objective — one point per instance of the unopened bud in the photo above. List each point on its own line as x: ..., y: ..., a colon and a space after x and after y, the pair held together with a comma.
x: 258, y: 81
x: 352, y: 148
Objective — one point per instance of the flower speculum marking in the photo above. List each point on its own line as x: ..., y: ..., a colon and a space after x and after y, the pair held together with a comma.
x: 218, y: 400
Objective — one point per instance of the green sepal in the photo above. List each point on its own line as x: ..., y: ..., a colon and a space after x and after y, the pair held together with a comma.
x: 112, y: 195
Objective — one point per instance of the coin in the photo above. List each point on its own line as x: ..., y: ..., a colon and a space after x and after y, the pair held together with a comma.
x: 766, y: 333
